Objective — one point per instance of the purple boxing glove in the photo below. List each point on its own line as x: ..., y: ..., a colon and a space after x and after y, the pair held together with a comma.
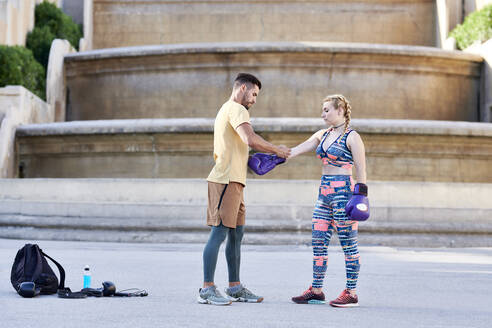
x: 262, y: 163
x: 357, y: 208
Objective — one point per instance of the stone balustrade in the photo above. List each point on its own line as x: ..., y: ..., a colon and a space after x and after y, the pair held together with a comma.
x: 17, y: 106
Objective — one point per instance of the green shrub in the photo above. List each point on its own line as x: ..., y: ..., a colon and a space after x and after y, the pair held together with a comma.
x: 47, y: 13
x: 60, y: 24
x: 51, y: 23
x: 18, y: 67
x: 39, y: 41
x: 476, y: 27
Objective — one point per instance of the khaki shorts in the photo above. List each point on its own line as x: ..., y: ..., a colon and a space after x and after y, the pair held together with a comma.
x: 225, y: 204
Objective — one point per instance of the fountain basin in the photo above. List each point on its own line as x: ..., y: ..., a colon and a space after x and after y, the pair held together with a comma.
x: 185, y: 81
x: 396, y: 150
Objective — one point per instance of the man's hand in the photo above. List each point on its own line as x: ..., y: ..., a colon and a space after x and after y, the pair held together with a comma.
x: 283, y: 151
x: 249, y: 137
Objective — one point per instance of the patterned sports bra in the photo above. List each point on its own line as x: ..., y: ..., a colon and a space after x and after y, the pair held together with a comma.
x: 337, y: 154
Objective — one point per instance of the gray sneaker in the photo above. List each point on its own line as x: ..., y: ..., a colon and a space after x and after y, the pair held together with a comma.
x: 212, y: 296
x: 243, y: 295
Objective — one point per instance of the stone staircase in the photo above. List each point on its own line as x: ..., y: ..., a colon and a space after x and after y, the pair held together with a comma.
x: 278, y: 212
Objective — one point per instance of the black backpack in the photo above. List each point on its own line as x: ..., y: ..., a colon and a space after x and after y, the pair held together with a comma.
x: 31, y: 274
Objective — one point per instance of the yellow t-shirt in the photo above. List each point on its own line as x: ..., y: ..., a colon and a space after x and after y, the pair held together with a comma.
x: 230, y: 152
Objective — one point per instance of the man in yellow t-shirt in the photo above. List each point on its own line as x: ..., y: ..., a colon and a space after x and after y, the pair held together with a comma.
x: 233, y: 135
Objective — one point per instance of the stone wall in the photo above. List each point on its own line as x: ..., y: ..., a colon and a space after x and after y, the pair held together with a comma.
x: 17, y: 19
x: 119, y: 23
x: 484, y: 50
x: 486, y: 91
x: 17, y: 106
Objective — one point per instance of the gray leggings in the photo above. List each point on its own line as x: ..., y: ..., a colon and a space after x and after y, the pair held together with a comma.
x: 232, y: 251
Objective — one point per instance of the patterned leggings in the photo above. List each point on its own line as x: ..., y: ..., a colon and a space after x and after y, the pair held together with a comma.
x: 329, y: 214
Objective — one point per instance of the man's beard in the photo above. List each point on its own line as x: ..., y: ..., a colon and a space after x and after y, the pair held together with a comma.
x: 245, y: 104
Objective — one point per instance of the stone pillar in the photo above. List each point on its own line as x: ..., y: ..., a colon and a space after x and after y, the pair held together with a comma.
x: 4, y: 26
x: 449, y: 14
x: 484, y: 50
x: 55, y: 78
x: 9, y: 18
x: 486, y: 91
x: 32, y: 6
x: 17, y: 19
x: 86, y: 42
x: 20, y: 36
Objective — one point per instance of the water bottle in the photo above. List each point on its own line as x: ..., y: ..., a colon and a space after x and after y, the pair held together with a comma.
x: 87, y: 277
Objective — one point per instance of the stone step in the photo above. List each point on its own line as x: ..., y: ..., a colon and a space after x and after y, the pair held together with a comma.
x: 169, y: 210
x: 250, y: 237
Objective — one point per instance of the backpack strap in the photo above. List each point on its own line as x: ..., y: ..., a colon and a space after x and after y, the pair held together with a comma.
x: 67, y: 293
x: 60, y: 268
x: 63, y: 292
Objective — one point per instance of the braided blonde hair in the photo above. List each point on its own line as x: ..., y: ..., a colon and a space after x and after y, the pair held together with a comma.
x: 339, y: 101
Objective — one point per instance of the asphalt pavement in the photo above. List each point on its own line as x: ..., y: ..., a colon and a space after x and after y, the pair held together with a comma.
x: 398, y: 287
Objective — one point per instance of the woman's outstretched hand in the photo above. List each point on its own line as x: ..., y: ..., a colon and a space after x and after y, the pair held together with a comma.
x: 283, y: 151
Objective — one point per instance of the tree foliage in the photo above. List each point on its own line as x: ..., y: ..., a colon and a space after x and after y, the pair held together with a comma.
x: 51, y: 23
x: 18, y: 67
x: 476, y: 27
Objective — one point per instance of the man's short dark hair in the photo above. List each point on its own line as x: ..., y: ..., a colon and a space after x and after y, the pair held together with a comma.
x: 243, y: 78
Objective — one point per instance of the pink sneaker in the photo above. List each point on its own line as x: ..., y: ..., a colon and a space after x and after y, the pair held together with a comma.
x: 309, y: 297
x: 345, y: 300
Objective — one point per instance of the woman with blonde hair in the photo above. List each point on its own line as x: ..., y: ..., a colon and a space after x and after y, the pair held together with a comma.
x: 339, y: 148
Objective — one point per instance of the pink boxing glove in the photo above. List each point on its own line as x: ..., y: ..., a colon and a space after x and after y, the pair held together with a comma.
x: 357, y: 207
